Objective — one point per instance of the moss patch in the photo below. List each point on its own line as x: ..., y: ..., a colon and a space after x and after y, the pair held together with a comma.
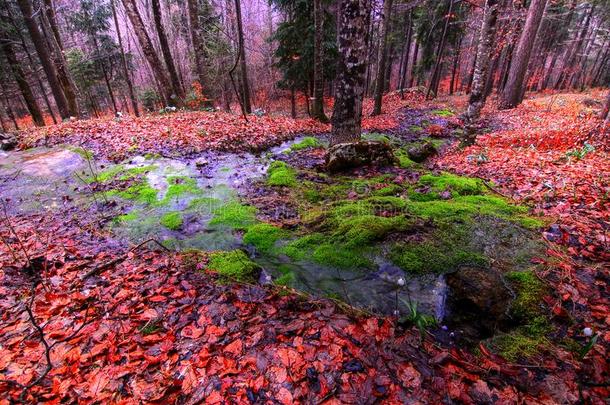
x: 178, y: 186
x: 140, y: 192
x: 443, y: 112
x: 437, y: 257
x: 120, y: 172
x: 233, y: 265
x: 307, y: 142
x: 280, y: 174
x: 131, y: 216
x: 263, y: 236
x: 234, y: 215
x: 172, y: 220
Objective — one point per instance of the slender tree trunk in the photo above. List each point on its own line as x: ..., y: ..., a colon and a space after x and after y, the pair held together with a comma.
x: 242, y: 60
x: 512, y: 94
x: 572, y: 54
x: 148, y: 50
x: 48, y: 22
x: 293, y: 103
x: 178, y: 92
x: 414, y: 63
x: 433, y: 88
x: 197, y: 45
x: 7, y: 104
x: 19, y: 76
x: 45, y: 58
x: 405, y: 66
x: 347, y: 113
x: 318, y: 71
x: 456, y: 60
x: 382, y: 56
x: 132, y: 96
x: 487, y: 35
x: 605, y: 114
x: 3, y: 124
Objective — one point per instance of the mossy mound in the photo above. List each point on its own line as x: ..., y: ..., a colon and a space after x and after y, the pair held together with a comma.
x: 234, y: 215
x: 280, y: 174
x: 172, y: 220
x: 233, y: 266
x: 263, y: 236
x: 305, y: 143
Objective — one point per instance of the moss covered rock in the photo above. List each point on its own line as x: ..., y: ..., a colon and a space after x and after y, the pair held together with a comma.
x: 345, y: 156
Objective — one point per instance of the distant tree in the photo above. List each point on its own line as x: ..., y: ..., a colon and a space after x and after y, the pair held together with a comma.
x: 177, y: 88
x: 241, y: 49
x: 45, y: 58
x: 126, y: 73
x: 6, y: 47
x: 486, y: 40
x: 382, y: 55
x: 347, y: 114
x: 198, y: 50
x: 317, y: 110
x: 514, y: 89
x: 148, y: 50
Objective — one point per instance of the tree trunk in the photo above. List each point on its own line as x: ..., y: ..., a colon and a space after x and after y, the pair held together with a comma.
x: 487, y: 34
x: 245, y: 93
x: 22, y: 83
x: 382, y: 56
x: 197, y: 44
x: 512, y: 94
x: 148, y: 50
x: 407, y: 49
x: 178, y: 92
x: 45, y: 58
x: 572, y: 54
x: 605, y: 114
x: 318, y: 71
x: 434, y: 81
x: 48, y: 22
x: 351, y: 70
x: 414, y: 63
x: 132, y: 96
x: 456, y: 60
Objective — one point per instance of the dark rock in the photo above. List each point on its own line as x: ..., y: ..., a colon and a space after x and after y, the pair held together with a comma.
x: 7, y: 141
x: 478, y: 300
x: 344, y: 156
x: 421, y: 152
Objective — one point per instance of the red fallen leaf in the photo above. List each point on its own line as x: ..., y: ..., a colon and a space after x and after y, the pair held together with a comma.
x: 98, y: 383
x: 284, y: 396
x: 157, y: 298
x: 191, y: 332
x: 235, y: 347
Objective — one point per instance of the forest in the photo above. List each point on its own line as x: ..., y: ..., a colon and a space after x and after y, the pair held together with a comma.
x: 304, y: 201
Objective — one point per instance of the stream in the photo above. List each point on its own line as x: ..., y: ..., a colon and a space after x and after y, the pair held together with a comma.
x: 49, y: 179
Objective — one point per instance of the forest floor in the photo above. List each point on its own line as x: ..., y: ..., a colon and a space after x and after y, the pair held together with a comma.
x: 86, y: 317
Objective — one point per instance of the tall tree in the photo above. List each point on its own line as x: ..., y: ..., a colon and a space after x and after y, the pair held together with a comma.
x: 19, y: 76
x: 127, y: 76
x: 436, y: 73
x: 513, y: 90
x: 353, y: 39
x: 148, y: 50
x: 317, y: 110
x: 241, y: 49
x: 193, y: 11
x: 486, y: 41
x: 178, y: 91
x: 382, y: 56
x: 45, y: 58
x: 605, y: 114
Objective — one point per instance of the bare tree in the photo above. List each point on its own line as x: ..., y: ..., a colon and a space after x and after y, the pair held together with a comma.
x: 605, y: 114
x: 513, y: 91
x: 347, y: 113
x: 178, y: 91
x: 45, y: 58
x: 197, y: 44
x: 317, y: 110
x: 132, y: 96
x: 382, y: 56
x: 245, y: 84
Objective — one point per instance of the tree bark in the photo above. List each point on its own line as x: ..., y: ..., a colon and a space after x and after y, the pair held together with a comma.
x: 487, y: 34
x: 197, y: 43
x: 513, y: 91
x: 177, y: 89
x: 434, y: 81
x: 132, y: 96
x: 605, y: 114
x: 382, y: 56
x: 45, y: 58
x: 317, y: 110
x: 148, y: 50
x: 407, y: 52
x: 347, y: 112
x: 245, y: 84
x: 19, y: 76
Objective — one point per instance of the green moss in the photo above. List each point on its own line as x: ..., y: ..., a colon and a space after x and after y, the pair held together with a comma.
x: 135, y: 171
x: 457, y: 184
x: 307, y: 142
x: 263, y: 236
x: 392, y: 189
x: 132, y: 216
x: 120, y: 172
x: 287, y: 278
x: 529, y: 290
x: 172, y: 220
x: 178, y: 186
x: 403, y: 159
x: 84, y: 153
x: 108, y: 174
x: 234, y: 215
x: 280, y: 174
x: 415, y: 128
x: 206, y: 203
x: 233, y: 265
x: 141, y: 192
x: 433, y: 257
x: 443, y: 112
x: 374, y: 136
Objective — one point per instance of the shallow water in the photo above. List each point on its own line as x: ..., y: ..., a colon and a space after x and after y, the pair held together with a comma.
x: 47, y: 178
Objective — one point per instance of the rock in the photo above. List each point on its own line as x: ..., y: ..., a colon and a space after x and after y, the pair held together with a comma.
x: 199, y: 163
x: 478, y: 299
x: 344, y: 156
x: 591, y: 102
x: 421, y: 152
x: 7, y: 141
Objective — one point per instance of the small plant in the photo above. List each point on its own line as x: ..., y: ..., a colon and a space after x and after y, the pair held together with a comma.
x: 421, y: 321
x: 150, y: 328
x: 582, y: 152
x: 149, y: 99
